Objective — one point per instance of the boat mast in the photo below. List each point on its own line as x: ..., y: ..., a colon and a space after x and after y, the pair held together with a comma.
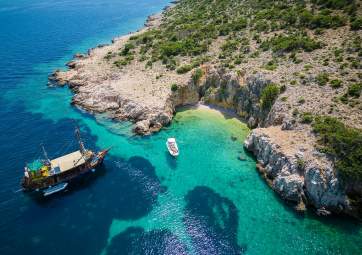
x: 45, y: 154
x: 81, y: 145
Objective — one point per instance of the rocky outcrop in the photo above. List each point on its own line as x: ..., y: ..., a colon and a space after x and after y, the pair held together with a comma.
x: 299, y: 178
x: 94, y: 93
x: 235, y: 91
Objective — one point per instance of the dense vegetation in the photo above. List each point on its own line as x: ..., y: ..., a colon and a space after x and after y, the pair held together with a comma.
x: 343, y: 143
x: 189, y: 30
x: 287, y: 43
x: 240, y: 31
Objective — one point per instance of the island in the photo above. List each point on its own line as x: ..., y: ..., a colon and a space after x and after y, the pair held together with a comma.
x: 290, y: 69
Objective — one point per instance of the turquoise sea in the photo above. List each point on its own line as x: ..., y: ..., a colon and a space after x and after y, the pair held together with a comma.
x: 141, y: 201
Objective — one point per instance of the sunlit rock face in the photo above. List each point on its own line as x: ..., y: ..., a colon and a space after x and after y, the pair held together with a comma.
x: 298, y: 177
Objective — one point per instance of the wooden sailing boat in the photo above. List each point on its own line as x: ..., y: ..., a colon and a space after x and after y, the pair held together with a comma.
x: 51, y: 176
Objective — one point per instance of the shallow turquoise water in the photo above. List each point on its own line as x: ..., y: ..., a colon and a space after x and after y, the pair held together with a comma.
x: 142, y: 201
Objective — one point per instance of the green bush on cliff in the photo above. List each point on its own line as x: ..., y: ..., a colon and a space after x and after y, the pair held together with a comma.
x: 307, y: 118
x: 356, y: 23
x: 334, y: 4
x: 271, y: 65
x: 174, y: 87
x: 355, y: 89
x: 127, y: 49
x: 343, y: 143
x: 336, y: 83
x: 171, y: 48
x: 324, y: 20
x: 183, y: 69
x: 268, y: 96
x: 196, y: 76
x: 288, y: 43
x: 322, y: 79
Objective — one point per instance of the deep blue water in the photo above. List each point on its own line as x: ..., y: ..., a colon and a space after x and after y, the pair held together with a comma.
x: 141, y: 201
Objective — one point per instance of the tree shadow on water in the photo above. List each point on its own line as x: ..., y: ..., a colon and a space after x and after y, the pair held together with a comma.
x: 136, y: 241
x: 211, y: 222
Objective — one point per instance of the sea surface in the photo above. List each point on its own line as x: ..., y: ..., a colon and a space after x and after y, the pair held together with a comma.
x: 141, y: 201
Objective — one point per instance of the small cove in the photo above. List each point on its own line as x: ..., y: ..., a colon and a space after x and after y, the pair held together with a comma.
x: 205, y: 202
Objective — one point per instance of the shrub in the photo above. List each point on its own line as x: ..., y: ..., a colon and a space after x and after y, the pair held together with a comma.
x: 269, y: 95
x: 301, y: 100
x: 183, y: 69
x: 288, y: 43
x: 343, y: 143
x: 149, y: 64
x: 239, y: 24
x: 322, y: 79
x: 356, y: 24
x: 261, y: 26
x: 305, y: 18
x: 121, y: 62
x: 283, y: 88
x: 307, y: 67
x: 230, y: 45
x: 355, y: 64
x: 295, y: 112
x: 126, y: 49
x: 109, y: 55
x: 142, y: 58
x: 196, y: 76
x: 174, y: 87
x: 326, y: 21
x: 133, y: 37
x: 271, y: 65
x: 336, y: 84
x: 171, y: 48
x: 333, y: 4
x: 307, y: 118
x: 300, y: 164
x: 344, y: 99
x: 354, y: 89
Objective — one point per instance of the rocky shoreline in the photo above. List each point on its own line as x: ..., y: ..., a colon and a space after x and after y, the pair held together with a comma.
x: 302, y: 182
x: 94, y: 89
x: 285, y: 148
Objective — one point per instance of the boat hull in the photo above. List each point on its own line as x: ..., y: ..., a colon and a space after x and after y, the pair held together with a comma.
x: 54, y: 180
x: 172, y: 147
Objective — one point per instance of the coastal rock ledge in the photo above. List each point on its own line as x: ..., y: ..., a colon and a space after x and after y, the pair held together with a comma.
x: 303, y: 177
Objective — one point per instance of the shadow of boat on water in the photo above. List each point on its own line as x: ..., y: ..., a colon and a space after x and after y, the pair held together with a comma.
x: 171, y: 161
x: 77, y: 184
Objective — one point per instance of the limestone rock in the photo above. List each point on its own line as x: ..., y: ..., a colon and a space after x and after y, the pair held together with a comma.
x: 317, y: 183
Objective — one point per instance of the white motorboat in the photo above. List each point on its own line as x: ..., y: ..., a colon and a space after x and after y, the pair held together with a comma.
x: 172, y: 147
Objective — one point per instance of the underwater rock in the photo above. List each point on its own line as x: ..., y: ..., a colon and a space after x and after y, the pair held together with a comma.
x: 212, y: 222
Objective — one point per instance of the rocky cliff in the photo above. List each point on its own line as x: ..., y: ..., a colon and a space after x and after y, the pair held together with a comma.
x: 302, y: 176
x: 235, y: 91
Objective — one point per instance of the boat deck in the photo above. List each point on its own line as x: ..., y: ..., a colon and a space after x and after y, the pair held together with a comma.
x: 67, y: 162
